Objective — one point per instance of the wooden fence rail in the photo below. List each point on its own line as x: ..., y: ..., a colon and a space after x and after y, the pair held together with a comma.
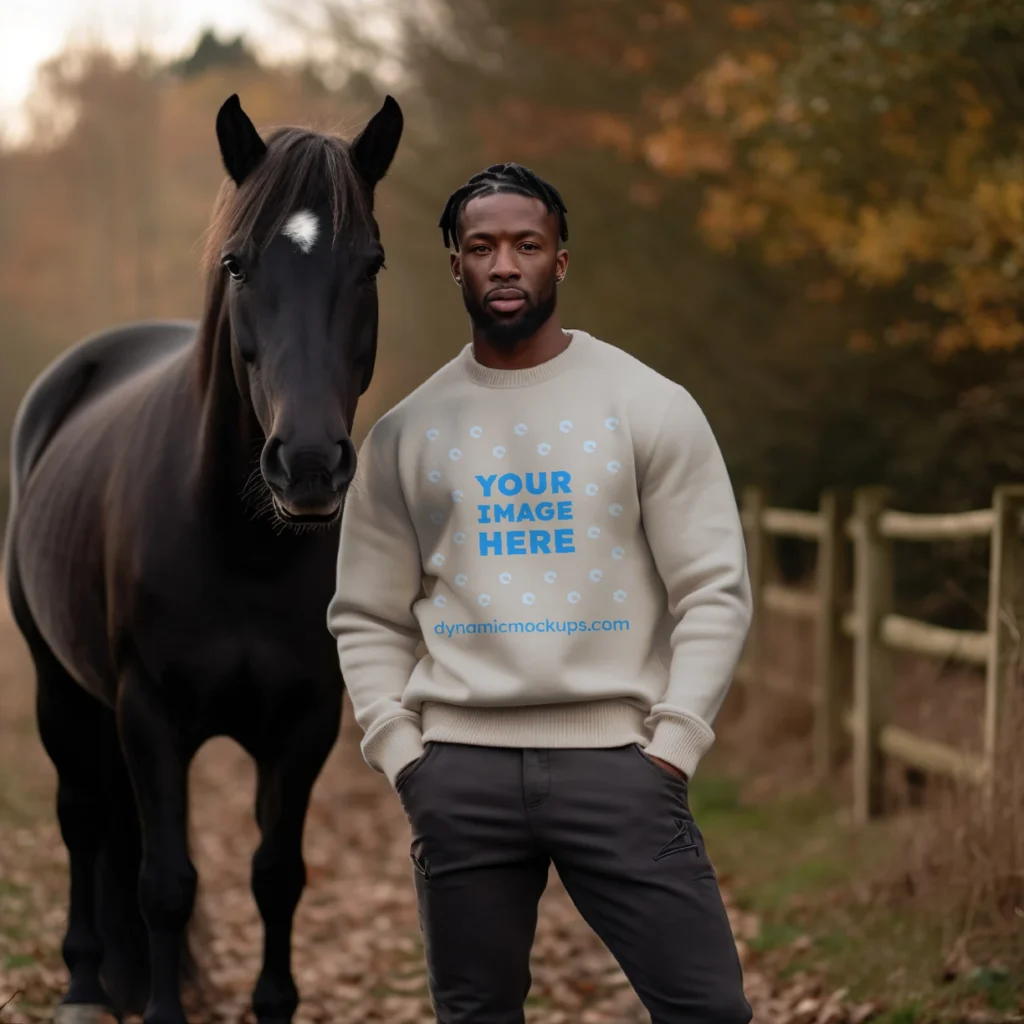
x: 826, y: 606
x: 856, y: 629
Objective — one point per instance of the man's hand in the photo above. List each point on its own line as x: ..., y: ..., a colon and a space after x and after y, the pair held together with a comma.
x: 670, y: 768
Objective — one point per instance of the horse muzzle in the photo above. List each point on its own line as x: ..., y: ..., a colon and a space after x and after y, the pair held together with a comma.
x: 309, y: 499
x: 308, y: 485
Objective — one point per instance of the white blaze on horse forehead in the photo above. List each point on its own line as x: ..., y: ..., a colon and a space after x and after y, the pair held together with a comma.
x: 303, y: 228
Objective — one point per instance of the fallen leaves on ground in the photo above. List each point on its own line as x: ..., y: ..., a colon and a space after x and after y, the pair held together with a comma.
x: 357, y: 952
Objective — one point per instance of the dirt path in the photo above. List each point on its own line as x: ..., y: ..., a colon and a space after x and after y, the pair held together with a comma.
x: 357, y: 952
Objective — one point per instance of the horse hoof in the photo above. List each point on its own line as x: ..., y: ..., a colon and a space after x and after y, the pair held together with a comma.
x: 84, y: 1013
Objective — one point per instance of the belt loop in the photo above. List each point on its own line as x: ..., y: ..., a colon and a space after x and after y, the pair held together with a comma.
x: 536, y: 776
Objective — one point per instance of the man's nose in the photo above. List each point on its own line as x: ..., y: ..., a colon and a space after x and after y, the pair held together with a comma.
x: 505, y: 265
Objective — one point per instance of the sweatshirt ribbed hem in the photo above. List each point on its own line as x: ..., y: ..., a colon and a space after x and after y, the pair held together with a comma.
x: 573, y: 354
x: 678, y: 739
x: 602, y: 723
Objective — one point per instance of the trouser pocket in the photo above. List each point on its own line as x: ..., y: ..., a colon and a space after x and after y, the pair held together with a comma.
x: 413, y: 767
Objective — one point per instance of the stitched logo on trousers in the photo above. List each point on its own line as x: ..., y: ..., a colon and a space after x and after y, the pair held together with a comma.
x: 418, y: 860
x: 681, y: 842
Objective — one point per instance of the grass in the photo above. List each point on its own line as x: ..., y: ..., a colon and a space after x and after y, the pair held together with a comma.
x: 813, y: 880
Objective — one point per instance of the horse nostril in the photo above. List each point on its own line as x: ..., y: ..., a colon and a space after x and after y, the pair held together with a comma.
x: 295, y: 461
x: 345, y: 463
x: 292, y: 467
x: 291, y: 464
x: 272, y: 462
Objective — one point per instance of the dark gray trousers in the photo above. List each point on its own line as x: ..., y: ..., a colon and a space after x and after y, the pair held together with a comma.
x: 486, y: 824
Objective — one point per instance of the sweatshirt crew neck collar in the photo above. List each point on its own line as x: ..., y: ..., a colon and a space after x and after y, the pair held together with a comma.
x: 572, y: 355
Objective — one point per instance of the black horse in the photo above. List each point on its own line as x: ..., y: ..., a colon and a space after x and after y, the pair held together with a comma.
x: 171, y: 550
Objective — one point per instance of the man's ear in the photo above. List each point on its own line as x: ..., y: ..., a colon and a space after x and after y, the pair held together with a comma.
x: 561, y: 265
x: 456, y: 267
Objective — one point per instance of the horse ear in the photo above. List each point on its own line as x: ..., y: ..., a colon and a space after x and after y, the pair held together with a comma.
x: 374, y: 148
x: 240, y: 144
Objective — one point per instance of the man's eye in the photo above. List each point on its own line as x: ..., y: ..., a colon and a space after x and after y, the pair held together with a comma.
x: 529, y: 247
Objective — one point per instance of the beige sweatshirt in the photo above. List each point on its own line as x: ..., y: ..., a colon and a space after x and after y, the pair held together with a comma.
x: 565, y: 542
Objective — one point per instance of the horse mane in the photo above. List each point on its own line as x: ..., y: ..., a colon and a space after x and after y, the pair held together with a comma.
x: 301, y: 168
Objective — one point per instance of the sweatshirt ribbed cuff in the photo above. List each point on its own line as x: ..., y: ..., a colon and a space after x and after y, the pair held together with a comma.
x: 681, y: 741
x: 394, y: 745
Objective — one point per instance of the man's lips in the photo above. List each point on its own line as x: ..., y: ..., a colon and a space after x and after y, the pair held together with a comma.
x: 506, y: 300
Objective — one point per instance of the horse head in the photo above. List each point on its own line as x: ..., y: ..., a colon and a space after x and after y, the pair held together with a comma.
x: 300, y: 251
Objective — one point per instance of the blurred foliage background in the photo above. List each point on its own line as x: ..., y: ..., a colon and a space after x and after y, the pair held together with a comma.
x: 809, y: 214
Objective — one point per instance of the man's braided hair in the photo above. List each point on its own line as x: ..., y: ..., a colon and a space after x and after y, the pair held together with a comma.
x: 501, y: 178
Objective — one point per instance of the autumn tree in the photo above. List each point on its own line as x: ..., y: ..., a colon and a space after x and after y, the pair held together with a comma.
x: 776, y: 204
x: 104, y: 206
x: 879, y: 140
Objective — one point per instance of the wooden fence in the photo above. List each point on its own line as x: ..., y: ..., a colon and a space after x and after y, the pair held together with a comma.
x: 855, y: 628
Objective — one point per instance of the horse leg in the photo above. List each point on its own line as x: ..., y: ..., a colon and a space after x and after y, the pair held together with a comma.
x: 158, y: 761
x: 286, y: 780
x: 80, y: 737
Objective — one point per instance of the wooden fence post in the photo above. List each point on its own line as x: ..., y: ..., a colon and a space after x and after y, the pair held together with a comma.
x: 1005, y: 621
x: 831, y: 647
x: 873, y: 585
x: 757, y: 542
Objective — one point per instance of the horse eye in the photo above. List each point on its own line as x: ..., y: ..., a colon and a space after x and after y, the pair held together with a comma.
x: 233, y: 267
x: 375, y: 268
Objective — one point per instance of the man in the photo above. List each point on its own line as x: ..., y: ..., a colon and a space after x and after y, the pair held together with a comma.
x: 555, y: 522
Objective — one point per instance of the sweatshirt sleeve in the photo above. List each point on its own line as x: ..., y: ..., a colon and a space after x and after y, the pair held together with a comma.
x: 371, y: 613
x: 694, y: 531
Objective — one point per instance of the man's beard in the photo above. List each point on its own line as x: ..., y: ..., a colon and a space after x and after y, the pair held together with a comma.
x: 504, y: 333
